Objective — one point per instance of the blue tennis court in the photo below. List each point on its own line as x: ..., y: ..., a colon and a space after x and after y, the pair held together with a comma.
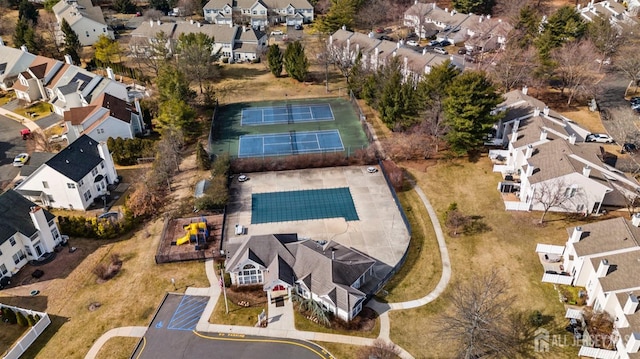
x: 290, y: 143
x: 188, y: 313
x: 286, y: 114
x: 303, y: 205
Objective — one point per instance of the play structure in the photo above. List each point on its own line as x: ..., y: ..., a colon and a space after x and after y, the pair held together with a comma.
x: 197, y: 233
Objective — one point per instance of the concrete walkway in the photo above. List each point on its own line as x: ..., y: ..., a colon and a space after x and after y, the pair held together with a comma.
x: 282, y: 324
x: 135, y: 332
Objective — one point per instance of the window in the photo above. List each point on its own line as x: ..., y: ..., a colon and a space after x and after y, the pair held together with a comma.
x: 71, y: 185
x: 262, y: 12
x: 255, y: 12
x: 28, y: 251
x: 101, y: 164
x: 87, y: 195
x: 54, y: 233
x: 3, y: 269
x: 250, y: 275
x: 570, y: 192
x: 104, y: 29
x: 18, y: 257
x: 94, y: 171
x: 87, y: 32
x: 100, y: 131
x: 80, y: 183
x: 12, y: 241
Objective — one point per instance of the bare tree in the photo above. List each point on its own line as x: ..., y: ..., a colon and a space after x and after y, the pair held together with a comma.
x: 380, y: 349
x: 510, y: 9
x: 47, y: 27
x: 152, y: 53
x: 627, y: 62
x: 372, y: 13
x: 514, y: 67
x: 146, y: 198
x: 605, y: 37
x: 558, y: 194
x: 188, y: 7
x: 576, y: 68
x: 478, y: 324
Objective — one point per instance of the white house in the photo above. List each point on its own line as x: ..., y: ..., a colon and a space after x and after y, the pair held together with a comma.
x: 74, y: 178
x: 603, y: 257
x: 259, y: 13
x: 107, y: 116
x: 614, y: 10
x: 86, y: 20
x: 27, y: 232
x: 12, y: 63
x: 329, y: 273
x: 545, y: 162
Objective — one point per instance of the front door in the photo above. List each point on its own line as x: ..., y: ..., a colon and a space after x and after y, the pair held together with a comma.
x: 38, y: 249
x: 596, y: 208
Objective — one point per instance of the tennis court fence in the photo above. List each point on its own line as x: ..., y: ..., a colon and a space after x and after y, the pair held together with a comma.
x: 214, y: 123
x: 363, y: 118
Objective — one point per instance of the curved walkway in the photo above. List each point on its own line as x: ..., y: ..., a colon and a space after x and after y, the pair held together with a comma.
x: 214, y: 291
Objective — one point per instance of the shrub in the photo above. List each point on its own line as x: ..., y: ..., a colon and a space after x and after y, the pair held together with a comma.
x: 202, y: 157
x: 21, y: 320
x: 536, y: 319
x: 36, y: 318
x: 31, y: 320
x: 125, y: 152
x: 9, y: 315
x: 225, y: 60
x: 78, y: 226
x: 101, y: 271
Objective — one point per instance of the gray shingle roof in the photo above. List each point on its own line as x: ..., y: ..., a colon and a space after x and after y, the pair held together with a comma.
x: 624, y: 271
x: 78, y: 159
x: 14, y: 216
x: 606, y: 236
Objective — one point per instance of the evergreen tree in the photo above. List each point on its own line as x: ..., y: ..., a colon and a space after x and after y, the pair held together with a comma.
x: 470, y: 99
x: 22, y: 26
x: 341, y: 13
x: 527, y: 26
x: 474, y: 6
x: 357, y: 76
x: 124, y: 6
x: 202, y: 157
x: 21, y: 319
x: 177, y: 113
x: 397, y: 103
x: 295, y: 61
x: 274, y: 58
x: 172, y: 83
x: 72, y: 44
x: 563, y: 26
x: 28, y: 11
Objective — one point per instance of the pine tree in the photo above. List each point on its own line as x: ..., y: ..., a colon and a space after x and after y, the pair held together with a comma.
x: 28, y: 11
x: 474, y: 6
x: 22, y: 26
x: 274, y: 58
x: 470, y: 99
x: 21, y: 319
x: 295, y: 61
x: 356, y: 77
x: 202, y: 158
x: 124, y: 6
x: 72, y: 44
x: 341, y: 13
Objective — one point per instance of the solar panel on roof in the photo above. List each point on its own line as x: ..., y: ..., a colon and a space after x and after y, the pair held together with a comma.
x: 83, y: 79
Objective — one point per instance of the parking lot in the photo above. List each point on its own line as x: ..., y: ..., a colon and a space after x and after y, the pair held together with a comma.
x: 11, y: 144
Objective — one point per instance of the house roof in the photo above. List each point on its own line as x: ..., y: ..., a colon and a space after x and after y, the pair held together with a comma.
x: 77, y: 10
x: 606, y: 236
x: 36, y: 160
x: 624, y: 271
x: 217, y: 4
x: 419, y: 8
x: 529, y: 130
x: 517, y: 104
x: 13, y: 61
x: 77, y: 159
x: 77, y: 115
x: 14, y: 216
x: 188, y: 28
x: 282, y: 4
x: 149, y: 29
x: 117, y: 107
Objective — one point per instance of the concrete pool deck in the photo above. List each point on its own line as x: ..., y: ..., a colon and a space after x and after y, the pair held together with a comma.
x: 380, y: 232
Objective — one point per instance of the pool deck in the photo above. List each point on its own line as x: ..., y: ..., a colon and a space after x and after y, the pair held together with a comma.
x: 380, y: 231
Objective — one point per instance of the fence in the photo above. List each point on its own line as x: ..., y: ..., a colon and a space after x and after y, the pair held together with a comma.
x: 363, y: 118
x: 212, y: 127
x: 30, y: 336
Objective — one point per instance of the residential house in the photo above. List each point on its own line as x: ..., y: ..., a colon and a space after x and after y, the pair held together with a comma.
x: 615, y: 11
x: 376, y: 53
x: 331, y: 274
x: 546, y: 164
x: 31, y: 82
x: 107, y: 116
x: 487, y: 34
x: 236, y: 42
x: 74, y: 178
x: 415, y: 18
x: 603, y: 258
x: 259, y: 13
x: 12, y: 63
x: 86, y: 20
x: 27, y: 232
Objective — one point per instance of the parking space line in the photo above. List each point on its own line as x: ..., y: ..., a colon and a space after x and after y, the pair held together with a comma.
x: 188, y: 312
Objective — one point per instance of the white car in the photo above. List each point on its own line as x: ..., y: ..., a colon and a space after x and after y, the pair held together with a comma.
x: 412, y: 43
x: 20, y: 160
x: 243, y: 178
x: 276, y: 32
x: 372, y: 169
x: 599, y: 137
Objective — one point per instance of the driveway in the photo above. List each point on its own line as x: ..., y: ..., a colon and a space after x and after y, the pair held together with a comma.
x: 611, y: 96
x: 49, y: 120
x: 11, y: 144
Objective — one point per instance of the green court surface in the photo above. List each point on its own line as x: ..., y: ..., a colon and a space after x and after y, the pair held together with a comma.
x: 302, y: 205
x: 227, y: 127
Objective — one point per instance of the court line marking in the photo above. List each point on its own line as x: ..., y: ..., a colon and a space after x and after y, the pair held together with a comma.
x: 287, y: 140
x: 287, y: 108
x: 277, y: 341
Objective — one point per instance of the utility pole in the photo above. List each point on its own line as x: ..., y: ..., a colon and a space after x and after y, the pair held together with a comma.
x: 224, y: 291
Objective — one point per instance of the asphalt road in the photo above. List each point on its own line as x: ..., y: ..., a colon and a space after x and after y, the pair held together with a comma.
x: 11, y: 144
x: 171, y: 335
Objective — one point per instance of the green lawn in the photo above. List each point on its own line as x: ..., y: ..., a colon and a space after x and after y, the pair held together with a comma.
x: 38, y: 110
x: 244, y: 316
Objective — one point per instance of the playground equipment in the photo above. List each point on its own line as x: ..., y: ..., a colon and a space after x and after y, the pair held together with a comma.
x: 197, y: 233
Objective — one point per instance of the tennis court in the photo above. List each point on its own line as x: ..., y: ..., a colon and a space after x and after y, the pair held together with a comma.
x: 303, y: 205
x: 290, y: 143
x: 286, y: 114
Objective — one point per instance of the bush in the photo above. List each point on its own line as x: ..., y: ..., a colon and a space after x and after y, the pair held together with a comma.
x: 536, y: 319
x: 78, y: 226
x: 9, y: 315
x: 225, y: 60
x: 101, y: 271
x: 125, y: 152
x: 256, y: 60
x: 21, y: 319
x: 31, y: 320
x: 202, y: 157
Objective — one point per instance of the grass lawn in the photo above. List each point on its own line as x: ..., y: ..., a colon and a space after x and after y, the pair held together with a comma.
x: 128, y: 299
x: 6, y: 97
x: 245, y: 316
x: 117, y: 348
x: 508, y: 247
x: 304, y: 324
x: 342, y: 351
x: 9, y: 333
x: 40, y: 109
x: 423, y: 267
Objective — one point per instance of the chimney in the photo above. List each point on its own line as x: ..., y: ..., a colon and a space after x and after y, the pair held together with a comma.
x: 543, y: 135
x: 191, y: 21
x: 529, y: 171
x: 480, y: 18
x: 344, y: 27
x: 151, y: 23
x: 529, y: 152
x: 333, y: 254
x: 586, y: 171
x: 633, y: 343
x: 244, y: 28
x: 398, y: 44
x: 545, y: 110
x: 488, y: 16
x: 158, y: 22
x: 24, y: 48
x: 371, y: 35
x: 416, y: 2
x: 1, y: 42
x: 536, y: 112
x: 525, y: 89
x: 572, y: 139
x: 68, y: 59
x: 198, y: 24
x: 110, y: 74
x: 348, y: 45
x: 424, y: 51
x: 578, y: 7
x: 330, y: 39
x: 631, y: 305
x: 446, y: 9
x: 576, y: 235
x: 635, y: 220
x: 514, y: 135
x: 603, y: 268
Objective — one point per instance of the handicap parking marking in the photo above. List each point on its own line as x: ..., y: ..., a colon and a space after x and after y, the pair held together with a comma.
x: 159, y: 325
x: 188, y: 313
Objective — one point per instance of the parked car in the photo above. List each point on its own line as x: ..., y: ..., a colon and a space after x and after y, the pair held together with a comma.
x: 298, y: 27
x: 276, y: 32
x: 380, y: 30
x: 56, y: 138
x: 445, y: 43
x: 372, y: 169
x: 412, y: 43
x: 462, y: 51
x: 470, y: 59
x: 20, y: 160
x: 440, y: 50
x: 243, y: 178
x: 629, y: 148
x: 385, y: 37
x: 599, y: 137
x: 434, y: 43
